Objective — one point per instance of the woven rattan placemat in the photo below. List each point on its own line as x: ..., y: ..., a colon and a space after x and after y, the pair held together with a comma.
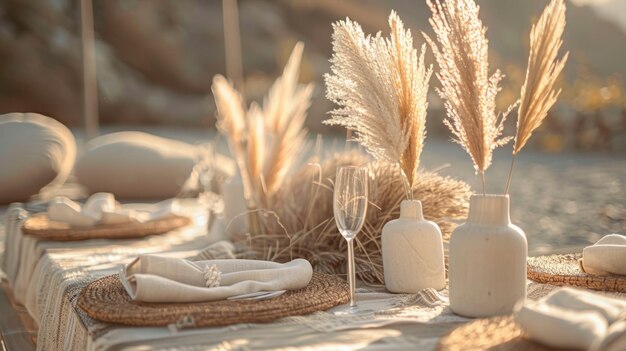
x: 107, y: 301
x: 565, y: 270
x: 40, y: 226
x: 497, y: 334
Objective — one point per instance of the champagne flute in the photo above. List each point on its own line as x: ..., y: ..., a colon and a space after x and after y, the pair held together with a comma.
x: 350, y: 207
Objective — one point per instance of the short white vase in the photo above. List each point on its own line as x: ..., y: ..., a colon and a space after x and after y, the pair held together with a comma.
x: 412, y: 252
x: 487, y: 265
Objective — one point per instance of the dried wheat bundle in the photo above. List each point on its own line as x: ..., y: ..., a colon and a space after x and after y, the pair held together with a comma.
x: 469, y: 91
x: 265, y: 141
x: 538, y: 94
x: 303, y: 226
x: 381, y: 85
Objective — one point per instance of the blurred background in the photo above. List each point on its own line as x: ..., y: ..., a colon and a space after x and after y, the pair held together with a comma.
x: 155, y: 59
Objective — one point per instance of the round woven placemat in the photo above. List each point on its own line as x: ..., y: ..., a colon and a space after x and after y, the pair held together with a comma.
x: 107, y: 301
x: 497, y: 334
x: 565, y: 270
x: 41, y: 226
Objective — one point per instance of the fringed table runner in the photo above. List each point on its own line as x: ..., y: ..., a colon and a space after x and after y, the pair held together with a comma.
x: 49, y: 276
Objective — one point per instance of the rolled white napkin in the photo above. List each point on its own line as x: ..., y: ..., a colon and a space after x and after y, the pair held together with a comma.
x: 615, y: 339
x: 101, y: 208
x: 605, y: 257
x: 569, y: 318
x: 611, y: 309
x: 152, y: 278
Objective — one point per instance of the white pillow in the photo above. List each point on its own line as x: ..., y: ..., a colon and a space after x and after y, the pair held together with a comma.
x: 35, y: 151
x: 135, y: 165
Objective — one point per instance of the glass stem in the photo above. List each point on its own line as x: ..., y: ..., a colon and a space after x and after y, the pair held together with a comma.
x: 351, y: 273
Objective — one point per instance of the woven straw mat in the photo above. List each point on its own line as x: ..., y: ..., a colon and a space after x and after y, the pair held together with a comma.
x: 497, y: 334
x: 40, y: 226
x: 107, y: 301
x: 565, y: 270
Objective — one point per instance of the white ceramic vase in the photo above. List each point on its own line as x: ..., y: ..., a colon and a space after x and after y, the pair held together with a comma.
x: 234, y: 206
x: 412, y: 251
x: 487, y: 266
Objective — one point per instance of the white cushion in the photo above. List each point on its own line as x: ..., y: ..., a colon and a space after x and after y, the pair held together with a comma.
x: 35, y: 151
x: 135, y: 165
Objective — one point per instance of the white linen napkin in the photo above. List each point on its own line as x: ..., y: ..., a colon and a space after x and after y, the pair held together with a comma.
x: 615, y: 339
x: 605, y: 257
x: 570, y: 318
x: 101, y: 208
x: 152, y: 278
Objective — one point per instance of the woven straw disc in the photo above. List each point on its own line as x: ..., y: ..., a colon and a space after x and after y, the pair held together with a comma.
x: 106, y: 300
x: 565, y: 270
x: 40, y: 226
x: 498, y: 334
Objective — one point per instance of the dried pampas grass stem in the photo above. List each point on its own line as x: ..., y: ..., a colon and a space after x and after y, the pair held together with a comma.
x: 469, y: 92
x: 232, y: 123
x: 285, y: 110
x: 381, y: 85
x: 268, y: 141
x: 538, y: 94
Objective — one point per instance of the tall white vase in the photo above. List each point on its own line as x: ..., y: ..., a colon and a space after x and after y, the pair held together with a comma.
x: 236, y: 221
x: 412, y: 252
x: 487, y: 266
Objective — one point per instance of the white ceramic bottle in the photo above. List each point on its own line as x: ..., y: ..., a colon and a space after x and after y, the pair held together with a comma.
x: 412, y: 251
x: 487, y: 266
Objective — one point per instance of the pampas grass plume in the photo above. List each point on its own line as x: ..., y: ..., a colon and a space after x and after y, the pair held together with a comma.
x: 467, y: 88
x: 538, y: 94
x: 381, y: 86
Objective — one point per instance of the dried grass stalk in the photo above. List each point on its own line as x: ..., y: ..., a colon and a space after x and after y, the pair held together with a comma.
x: 231, y: 122
x: 303, y: 226
x: 230, y: 109
x: 266, y: 142
x: 256, y: 143
x: 285, y: 110
x: 381, y: 85
x: 538, y: 93
x: 467, y: 88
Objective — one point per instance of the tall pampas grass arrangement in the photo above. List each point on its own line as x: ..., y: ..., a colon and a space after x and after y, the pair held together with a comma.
x: 469, y: 91
x: 467, y: 88
x: 381, y: 85
x: 266, y: 141
x: 538, y: 93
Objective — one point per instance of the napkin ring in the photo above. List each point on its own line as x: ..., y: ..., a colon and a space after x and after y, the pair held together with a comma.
x: 581, y: 265
x: 184, y: 322
x: 212, y: 276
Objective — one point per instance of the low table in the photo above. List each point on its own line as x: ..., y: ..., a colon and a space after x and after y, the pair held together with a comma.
x: 50, y: 275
